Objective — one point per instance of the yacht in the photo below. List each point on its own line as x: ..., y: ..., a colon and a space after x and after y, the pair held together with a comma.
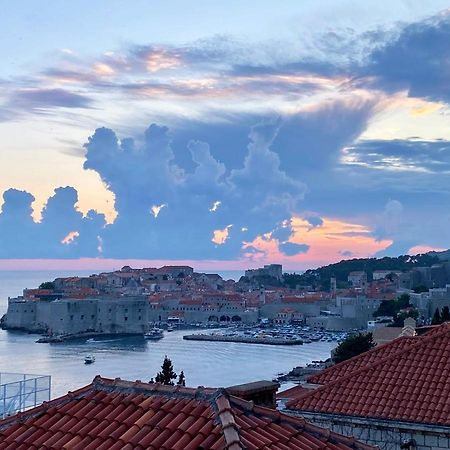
x: 154, y: 334
x: 89, y: 359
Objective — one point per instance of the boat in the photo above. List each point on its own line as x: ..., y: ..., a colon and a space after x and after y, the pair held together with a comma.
x: 170, y: 328
x: 50, y: 340
x: 89, y: 359
x: 154, y: 334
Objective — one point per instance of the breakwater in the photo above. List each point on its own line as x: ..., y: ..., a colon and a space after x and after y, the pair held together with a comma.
x: 242, y: 339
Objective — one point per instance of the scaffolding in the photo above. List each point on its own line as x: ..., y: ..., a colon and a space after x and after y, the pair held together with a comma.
x: 19, y: 391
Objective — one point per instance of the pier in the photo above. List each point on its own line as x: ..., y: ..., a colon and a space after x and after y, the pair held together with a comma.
x: 242, y: 339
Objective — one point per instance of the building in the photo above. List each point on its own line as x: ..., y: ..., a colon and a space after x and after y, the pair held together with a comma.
x: 109, y: 315
x: 120, y: 415
x: 396, y: 395
x: 382, y: 274
x: 428, y: 302
x: 269, y: 270
x: 357, y: 279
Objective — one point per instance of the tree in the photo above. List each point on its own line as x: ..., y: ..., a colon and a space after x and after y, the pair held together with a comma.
x: 436, y: 320
x: 167, y: 373
x: 352, y: 346
x: 399, y: 319
x: 181, y: 379
x: 445, y: 315
x: 392, y: 307
x: 47, y: 285
x: 420, y: 288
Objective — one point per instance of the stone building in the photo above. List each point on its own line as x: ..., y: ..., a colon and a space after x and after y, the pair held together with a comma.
x: 127, y: 315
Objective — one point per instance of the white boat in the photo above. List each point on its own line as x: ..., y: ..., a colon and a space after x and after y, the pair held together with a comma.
x: 89, y: 359
x: 170, y: 328
x: 154, y: 334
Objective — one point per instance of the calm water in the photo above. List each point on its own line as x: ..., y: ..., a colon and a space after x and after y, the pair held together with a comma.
x: 204, y: 363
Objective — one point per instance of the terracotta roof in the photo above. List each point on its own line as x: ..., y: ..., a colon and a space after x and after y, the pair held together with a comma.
x: 293, y: 392
x: 116, y: 414
x: 357, y: 362
x: 411, y: 384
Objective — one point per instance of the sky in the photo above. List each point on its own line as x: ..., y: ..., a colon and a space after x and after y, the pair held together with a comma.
x: 225, y: 135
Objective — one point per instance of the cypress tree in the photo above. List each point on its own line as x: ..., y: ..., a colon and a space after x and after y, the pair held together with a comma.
x: 436, y: 320
x: 182, y: 379
x: 445, y: 316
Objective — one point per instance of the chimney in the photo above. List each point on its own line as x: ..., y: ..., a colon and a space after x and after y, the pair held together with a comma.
x: 261, y: 393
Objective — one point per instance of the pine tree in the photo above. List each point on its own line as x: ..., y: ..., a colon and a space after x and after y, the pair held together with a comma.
x: 167, y: 373
x: 181, y: 379
x: 352, y: 346
x: 436, y: 320
x: 445, y: 315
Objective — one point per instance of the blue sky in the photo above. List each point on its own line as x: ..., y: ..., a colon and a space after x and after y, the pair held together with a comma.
x: 298, y: 132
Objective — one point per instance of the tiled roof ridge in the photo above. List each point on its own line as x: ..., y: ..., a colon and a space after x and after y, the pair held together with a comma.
x: 145, y: 388
x: 371, y: 366
x: 368, y: 352
x: 297, y: 422
x: 225, y: 416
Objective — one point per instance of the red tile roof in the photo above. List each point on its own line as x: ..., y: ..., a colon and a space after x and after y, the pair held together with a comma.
x: 116, y: 414
x: 357, y: 362
x: 411, y: 384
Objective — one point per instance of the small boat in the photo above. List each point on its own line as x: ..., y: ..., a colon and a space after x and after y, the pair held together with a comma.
x: 170, y: 328
x: 89, y: 359
x: 50, y: 339
x: 154, y: 334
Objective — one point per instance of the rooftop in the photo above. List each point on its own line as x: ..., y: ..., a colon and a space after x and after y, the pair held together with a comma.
x: 406, y: 380
x: 114, y: 414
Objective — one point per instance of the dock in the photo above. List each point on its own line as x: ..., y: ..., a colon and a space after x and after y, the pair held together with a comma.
x: 242, y: 339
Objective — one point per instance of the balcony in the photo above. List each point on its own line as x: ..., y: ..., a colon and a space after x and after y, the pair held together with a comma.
x: 19, y: 392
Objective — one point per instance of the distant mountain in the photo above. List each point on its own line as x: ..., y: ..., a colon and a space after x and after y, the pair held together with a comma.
x: 320, y: 277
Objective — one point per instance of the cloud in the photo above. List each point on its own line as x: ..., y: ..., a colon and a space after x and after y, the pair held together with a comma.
x: 221, y: 236
x: 401, y: 155
x: 62, y: 233
x: 292, y: 249
x: 49, y: 98
x: 314, y: 221
x: 415, y: 59
x: 145, y: 173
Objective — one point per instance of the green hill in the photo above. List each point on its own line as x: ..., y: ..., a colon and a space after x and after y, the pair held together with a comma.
x: 320, y: 277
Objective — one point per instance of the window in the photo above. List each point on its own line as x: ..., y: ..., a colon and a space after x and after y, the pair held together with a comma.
x: 82, y: 316
x: 126, y: 318
x: 139, y: 318
x: 71, y: 317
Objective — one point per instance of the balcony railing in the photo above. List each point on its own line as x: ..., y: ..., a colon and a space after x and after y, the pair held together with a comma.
x: 19, y: 392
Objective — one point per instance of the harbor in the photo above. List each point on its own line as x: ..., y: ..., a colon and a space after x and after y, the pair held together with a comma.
x: 268, y: 335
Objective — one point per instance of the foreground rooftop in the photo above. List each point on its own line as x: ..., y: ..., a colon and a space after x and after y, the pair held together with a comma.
x: 115, y: 414
x: 406, y: 380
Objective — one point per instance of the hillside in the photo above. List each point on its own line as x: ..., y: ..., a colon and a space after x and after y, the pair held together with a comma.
x: 321, y: 276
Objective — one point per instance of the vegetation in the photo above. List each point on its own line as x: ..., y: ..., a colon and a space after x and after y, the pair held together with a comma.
x: 441, y: 317
x: 392, y: 307
x: 47, y: 285
x: 419, y: 289
x: 167, y: 374
x: 399, y: 310
x: 320, y: 278
x: 181, y: 379
x: 352, y: 346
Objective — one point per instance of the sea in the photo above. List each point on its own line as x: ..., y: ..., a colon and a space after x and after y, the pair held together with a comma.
x: 212, y: 364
